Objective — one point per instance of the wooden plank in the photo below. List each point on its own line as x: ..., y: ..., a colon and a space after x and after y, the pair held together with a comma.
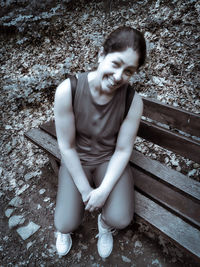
x: 175, y: 142
x: 184, y: 207
x: 172, y: 141
x: 169, y: 224
x: 44, y: 141
x: 49, y: 127
x: 175, y: 117
x: 165, y: 174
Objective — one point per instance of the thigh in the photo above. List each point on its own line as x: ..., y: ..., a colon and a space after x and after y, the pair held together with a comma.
x: 119, y: 206
x: 69, y: 205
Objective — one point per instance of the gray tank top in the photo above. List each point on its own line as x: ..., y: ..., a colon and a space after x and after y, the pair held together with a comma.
x: 97, y: 126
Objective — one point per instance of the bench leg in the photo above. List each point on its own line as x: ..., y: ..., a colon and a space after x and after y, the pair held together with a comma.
x: 55, y: 165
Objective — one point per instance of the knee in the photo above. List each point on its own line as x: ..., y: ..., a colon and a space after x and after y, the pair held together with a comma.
x: 118, y: 222
x: 64, y: 225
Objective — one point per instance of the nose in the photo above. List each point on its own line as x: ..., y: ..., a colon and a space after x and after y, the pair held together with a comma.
x: 118, y: 76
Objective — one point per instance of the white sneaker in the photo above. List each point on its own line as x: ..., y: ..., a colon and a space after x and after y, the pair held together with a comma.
x: 105, y: 239
x: 63, y: 243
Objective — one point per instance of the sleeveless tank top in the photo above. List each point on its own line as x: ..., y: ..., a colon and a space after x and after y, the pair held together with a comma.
x: 97, y: 125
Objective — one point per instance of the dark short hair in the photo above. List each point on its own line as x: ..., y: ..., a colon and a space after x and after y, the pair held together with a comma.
x: 123, y: 38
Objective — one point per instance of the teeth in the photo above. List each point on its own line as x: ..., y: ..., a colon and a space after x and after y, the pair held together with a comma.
x: 111, y: 81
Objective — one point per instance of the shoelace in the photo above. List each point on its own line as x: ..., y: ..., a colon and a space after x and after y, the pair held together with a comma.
x: 106, y: 231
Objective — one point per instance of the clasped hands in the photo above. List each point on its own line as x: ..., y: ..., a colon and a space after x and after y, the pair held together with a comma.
x: 94, y: 198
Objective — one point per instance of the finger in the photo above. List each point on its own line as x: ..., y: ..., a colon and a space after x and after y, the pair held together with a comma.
x: 86, y: 199
x: 91, y: 209
x: 88, y: 206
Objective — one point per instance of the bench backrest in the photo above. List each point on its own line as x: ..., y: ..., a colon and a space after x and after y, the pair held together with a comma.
x: 171, y: 128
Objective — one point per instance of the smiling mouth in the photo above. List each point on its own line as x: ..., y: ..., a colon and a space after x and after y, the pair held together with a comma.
x: 111, y: 83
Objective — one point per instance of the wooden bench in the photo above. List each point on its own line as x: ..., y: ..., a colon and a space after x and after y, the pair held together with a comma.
x: 165, y: 198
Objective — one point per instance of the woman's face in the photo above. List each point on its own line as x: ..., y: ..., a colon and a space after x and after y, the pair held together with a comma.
x: 115, y: 69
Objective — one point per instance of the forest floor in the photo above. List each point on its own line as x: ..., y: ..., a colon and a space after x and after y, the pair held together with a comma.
x: 39, y: 46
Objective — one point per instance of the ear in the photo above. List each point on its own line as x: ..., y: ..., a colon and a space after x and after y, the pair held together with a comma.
x: 101, y: 55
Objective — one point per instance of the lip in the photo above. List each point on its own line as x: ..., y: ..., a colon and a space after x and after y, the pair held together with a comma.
x: 112, y: 84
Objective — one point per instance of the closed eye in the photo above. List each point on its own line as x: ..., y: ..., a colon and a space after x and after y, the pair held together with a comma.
x: 116, y: 64
x: 128, y: 72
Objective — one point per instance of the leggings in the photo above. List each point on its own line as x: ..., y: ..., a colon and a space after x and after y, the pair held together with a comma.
x: 117, y: 211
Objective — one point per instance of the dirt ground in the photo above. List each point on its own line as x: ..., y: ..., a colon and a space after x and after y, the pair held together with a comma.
x: 37, y: 48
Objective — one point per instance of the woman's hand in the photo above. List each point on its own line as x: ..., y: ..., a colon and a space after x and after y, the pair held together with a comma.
x: 96, y: 199
x: 85, y: 195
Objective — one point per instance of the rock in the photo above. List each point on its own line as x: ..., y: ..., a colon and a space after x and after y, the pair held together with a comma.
x: 174, y: 162
x: 78, y: 255
x: 27, y: 231
x: 192, y: 173
x: 30, y: 175
x: 15, y: 202
x: 15, y: 220
x: 47, y: 199
x: 138, y: 244
x: 8, y: 212
x: 196, y: 165
x: 166, y: 160
x: 21, y: 190
x: 42, y: 191
x: 52, y: 249
x: 29, y: 245
x: 156, y: 262
x: 125, y: 259
x: 178, y: 168
x: 91, y: 257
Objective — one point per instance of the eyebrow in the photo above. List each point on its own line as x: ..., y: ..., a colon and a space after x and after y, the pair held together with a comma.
x: 122, y: 62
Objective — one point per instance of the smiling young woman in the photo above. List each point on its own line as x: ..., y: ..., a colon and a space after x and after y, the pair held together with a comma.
x: 96, y: 139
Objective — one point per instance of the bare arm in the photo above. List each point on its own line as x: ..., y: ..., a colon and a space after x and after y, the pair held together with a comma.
x: 121, y: 156
x: 65, y: 130
x: 124, y: 146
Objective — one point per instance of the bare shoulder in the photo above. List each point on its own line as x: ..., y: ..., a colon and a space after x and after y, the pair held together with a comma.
x: 63, y: 95
x: 63, y: 89
x: 136, y: 105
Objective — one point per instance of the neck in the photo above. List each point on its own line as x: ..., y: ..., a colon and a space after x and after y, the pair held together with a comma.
x: 95, y: 89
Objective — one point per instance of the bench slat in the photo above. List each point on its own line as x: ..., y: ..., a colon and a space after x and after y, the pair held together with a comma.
x: 177, y: 203
x: 169, y: 224
x: 175, y: 117
x: 173, y: 178
x: 49, y: 127
x: 172, y: 141
x: 44, y: 141
x: 175, y: 142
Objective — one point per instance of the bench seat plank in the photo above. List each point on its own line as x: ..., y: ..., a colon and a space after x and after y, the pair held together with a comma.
x: 49, y: 127
x: 166, y: 174
x: 177, y: 203
x: 44, y: 141
x: 172, y: 226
